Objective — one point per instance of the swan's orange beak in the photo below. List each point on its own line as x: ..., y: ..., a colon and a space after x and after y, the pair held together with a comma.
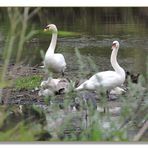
x: 45, y: 29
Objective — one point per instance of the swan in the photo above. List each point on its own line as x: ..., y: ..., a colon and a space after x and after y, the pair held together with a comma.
x: 117, y: 91
x: 46, y: 92
x: 54, y: 62
x: 106, y: 79
x: 53, y: 86
x: 120, y: 90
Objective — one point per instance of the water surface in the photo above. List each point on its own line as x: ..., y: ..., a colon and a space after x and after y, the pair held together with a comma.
x: 98, y: 28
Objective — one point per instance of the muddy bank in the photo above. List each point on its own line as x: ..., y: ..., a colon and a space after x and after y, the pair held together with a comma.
x: 68, y: 111
x: 11, y: 95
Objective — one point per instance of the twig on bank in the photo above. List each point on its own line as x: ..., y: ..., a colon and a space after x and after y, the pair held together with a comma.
x: 138, y: 136
x: 135, y: 113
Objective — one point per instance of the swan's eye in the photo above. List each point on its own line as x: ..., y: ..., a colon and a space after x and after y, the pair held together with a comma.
x: 46, y: 27
x: 114, y: 44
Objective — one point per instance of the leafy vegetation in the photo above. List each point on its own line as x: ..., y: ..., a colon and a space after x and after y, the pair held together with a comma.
x: 28, y: 82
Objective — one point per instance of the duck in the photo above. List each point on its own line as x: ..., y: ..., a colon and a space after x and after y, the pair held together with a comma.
x: 106, y: 79
x: 54, y: 62
x: 132, y: 76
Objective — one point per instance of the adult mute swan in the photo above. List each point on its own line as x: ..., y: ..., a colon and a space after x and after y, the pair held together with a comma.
x: 106, y: 79
x: 55, y: 62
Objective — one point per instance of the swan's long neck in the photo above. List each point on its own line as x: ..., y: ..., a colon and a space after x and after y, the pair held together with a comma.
x: 52, y: 45
x: 115, y: 64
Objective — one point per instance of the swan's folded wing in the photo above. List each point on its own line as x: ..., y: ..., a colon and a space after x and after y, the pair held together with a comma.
x: 107, y: 79
x: 60, y: 59
x: 103, y: 75
x: 55, y: 62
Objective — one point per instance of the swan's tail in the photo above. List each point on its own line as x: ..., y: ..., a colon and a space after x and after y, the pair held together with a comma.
x: 42, y: 66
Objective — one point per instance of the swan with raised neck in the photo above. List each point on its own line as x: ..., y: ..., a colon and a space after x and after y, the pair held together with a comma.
x: 54, y: 61
x: 113, y: 59
x: 53, y: 42
x: 106, y: 79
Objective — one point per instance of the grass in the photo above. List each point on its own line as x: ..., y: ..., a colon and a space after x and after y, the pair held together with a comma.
x: 29, y: 82
x: 42, y: 34
x: 68, y: 34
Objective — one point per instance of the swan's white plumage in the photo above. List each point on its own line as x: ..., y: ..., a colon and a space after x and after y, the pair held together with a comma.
x: 117, y: 91
x: 106, y: 79
x: 45, y: 92
x: 55, y: 62
x: 51, y: 86
x: 50, y: 83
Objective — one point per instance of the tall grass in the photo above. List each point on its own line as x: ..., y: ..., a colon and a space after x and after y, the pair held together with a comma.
x: 17, y: 35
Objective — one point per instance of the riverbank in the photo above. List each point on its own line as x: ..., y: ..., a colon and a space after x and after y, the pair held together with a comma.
x: 75, y: 110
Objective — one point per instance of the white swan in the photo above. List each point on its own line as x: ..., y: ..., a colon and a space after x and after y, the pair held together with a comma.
x: 50, y: 83
x: 117, y: 91
x: 106, y: 79
x: 55, y: 62
x: 46, y: 92
x: 53, y: 86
